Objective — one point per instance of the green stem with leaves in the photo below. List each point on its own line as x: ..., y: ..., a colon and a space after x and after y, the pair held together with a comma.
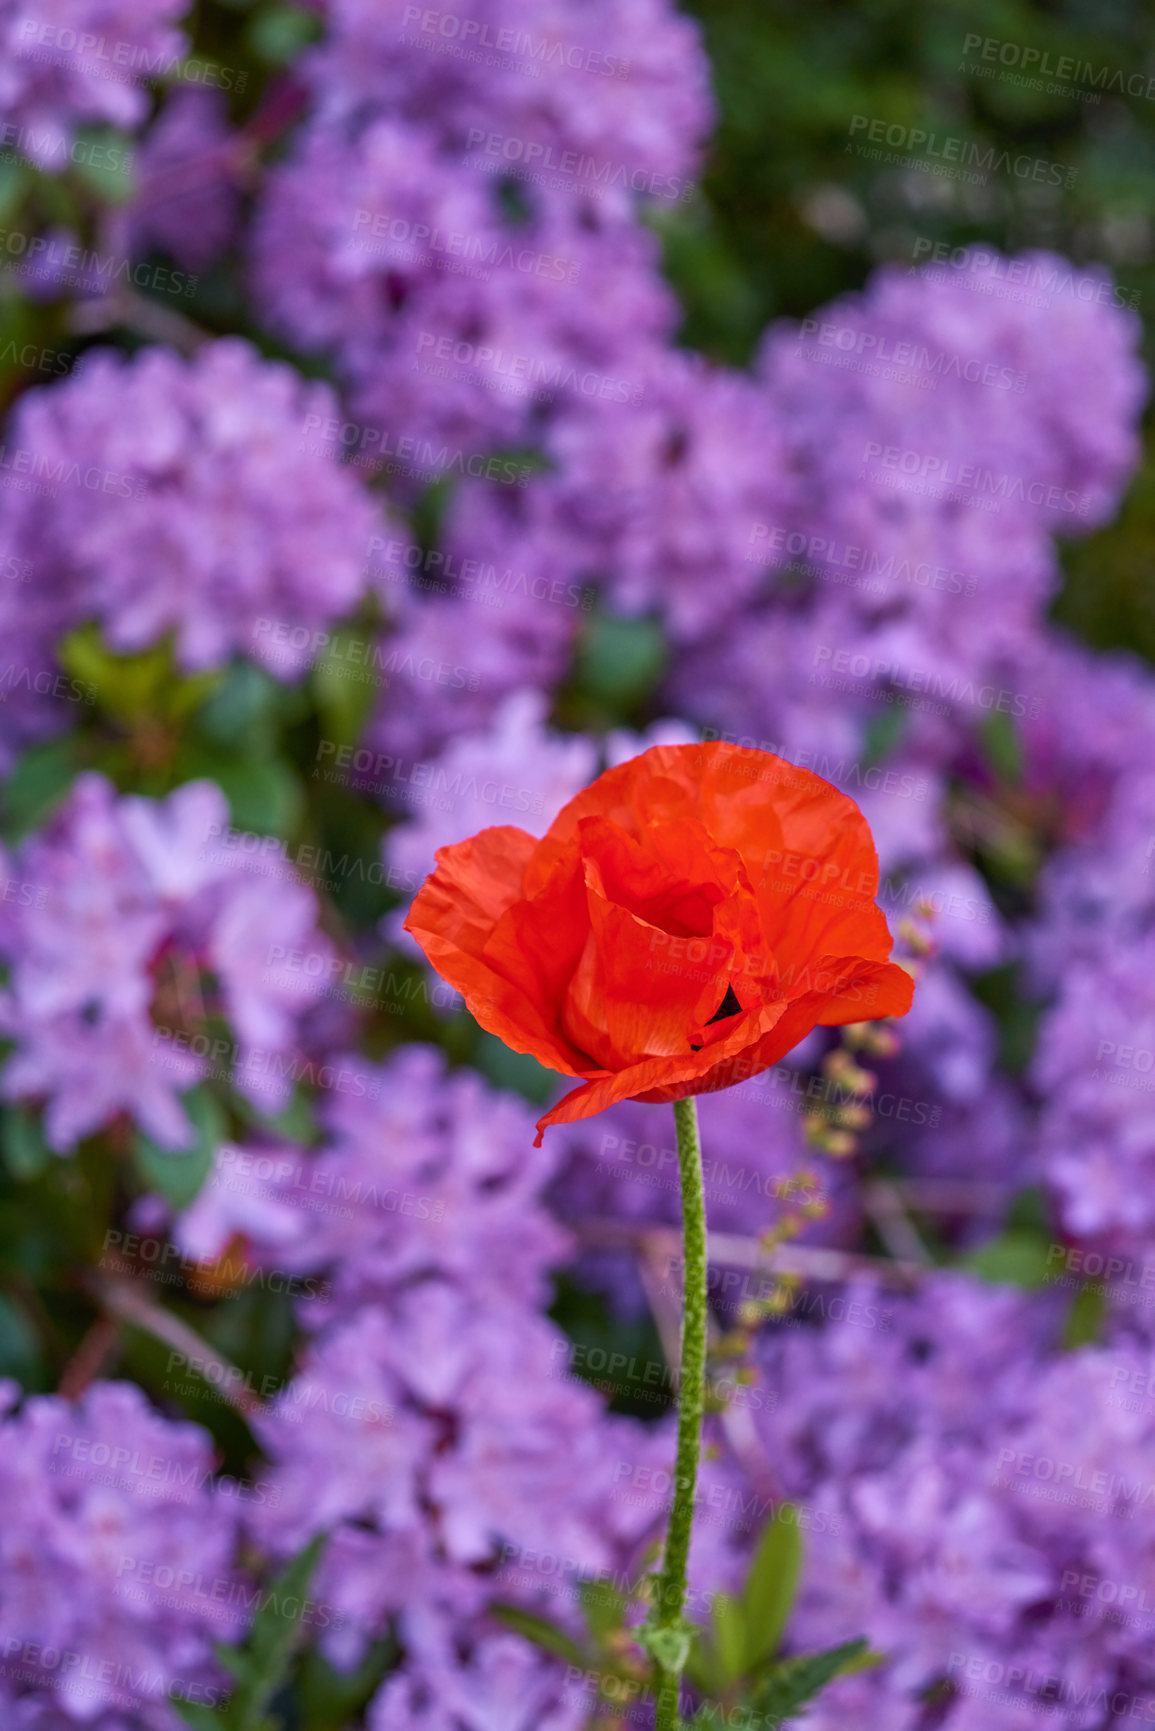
x: 671, y: 1635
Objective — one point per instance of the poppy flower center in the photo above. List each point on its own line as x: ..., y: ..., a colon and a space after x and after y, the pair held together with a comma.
x: 728, y: 1007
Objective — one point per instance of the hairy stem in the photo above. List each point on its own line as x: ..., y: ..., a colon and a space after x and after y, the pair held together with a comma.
x: 691, y: 1392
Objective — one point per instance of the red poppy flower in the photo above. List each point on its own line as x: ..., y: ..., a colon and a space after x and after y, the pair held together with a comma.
x: 686, y: 920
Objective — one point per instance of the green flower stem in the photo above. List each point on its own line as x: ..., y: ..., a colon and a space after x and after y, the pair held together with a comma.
x: 691, y: 1396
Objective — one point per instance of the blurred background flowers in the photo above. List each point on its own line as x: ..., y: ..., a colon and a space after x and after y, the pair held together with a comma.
x: 408, y: 413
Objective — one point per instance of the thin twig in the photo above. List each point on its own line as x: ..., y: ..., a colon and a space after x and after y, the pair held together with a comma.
x: 120, y: 1299
x: 742, y: 1436
x: 812, y: 1262
x: 663, y: 1308
x: 135, y: 312
x: 951, y: 1195
x: 885, y: 1206
x: 90, y: 1357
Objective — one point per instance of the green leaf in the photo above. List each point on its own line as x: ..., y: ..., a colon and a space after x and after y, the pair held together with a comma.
x: 771, y: 1585
x: 38, y: 782
x: 241, y: 707
x: 262, y: 1663
x: 294, y: 1122
x: 668, y: 1644
x: 20, y: 1354
x: 540, y: 1631
x: 179, y: 1175
x: 621, y: 660
x: 13, y: 186
x: 1003, y: 747
x: 274, y: 1627
x: 794, y: 1682
x: 883, y: 735
x: 134, y: 687
x: 731, y: 1639
x: 278, y: 35
x: 1084, y: 1324
x: 1015, y: 1258
x: 604, y: 1607
x: 26, y: 1153
x: 330, y: 1700
x: 346, y: 681
x: 264, y: 795
x: 1029, y: 1211
x: 200, y: 1718
x: 103, y: 159
x: 235, y: 1661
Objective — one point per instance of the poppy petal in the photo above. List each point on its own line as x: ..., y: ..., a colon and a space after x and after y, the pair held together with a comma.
x: 453, y: 917
x: 677, y: 1075
x: 626, y: 1002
